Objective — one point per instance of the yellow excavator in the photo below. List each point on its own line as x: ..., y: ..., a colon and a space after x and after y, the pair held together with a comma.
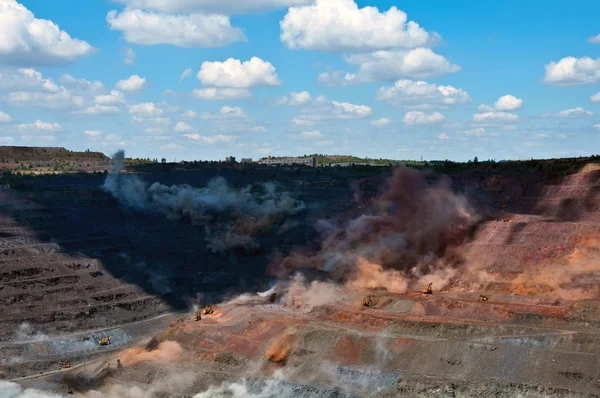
x: 370, y: 301
x: 208, y: 310
x: 483, y: 298
x: 428, y: 289
x: 104, y: 341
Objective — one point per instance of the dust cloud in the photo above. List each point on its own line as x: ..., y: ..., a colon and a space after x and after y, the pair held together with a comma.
x: 168, y: 351
x: 13, y: 390
x: 232, y: 218
x: 408, y: 235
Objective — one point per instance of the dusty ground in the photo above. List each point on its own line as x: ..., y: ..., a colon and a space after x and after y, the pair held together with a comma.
x: 76, y: 268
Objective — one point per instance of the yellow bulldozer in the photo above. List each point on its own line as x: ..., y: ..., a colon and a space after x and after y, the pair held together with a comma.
x: 208, y: 310
x: 483, y: 298
x: 428, y: 289
x: 104, y: 341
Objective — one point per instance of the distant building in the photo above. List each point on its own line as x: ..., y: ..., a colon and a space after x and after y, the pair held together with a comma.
x: 246, y: 160
x: 311, y: 162
x: 230, y: 159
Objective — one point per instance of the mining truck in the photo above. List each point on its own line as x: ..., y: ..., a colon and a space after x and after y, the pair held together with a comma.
x: 370, y: 301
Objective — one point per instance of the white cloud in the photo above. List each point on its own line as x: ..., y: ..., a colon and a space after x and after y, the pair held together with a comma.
x: 194, y: 30
x: 5, y: 118
x: 130, y: 56
x: 311, y: 134
x: 227, y: 7
x: 301, y: 98
x: 571, y: 71
x: 485, y: 108
x: 216, y: 94
x: 594, y: 39
x: 389, y: 65
x: 102, y: 110
x: 6, y: 140
x: 26, y: 80
x: 381, y: 122
x: 323, y: 109
x: 420, y: 118
x: 495, y: 117
x: 63, y: 99
x: 595, y: 97
x: 183, y: 127
x: 443, y: 136
x: 339, y: 25
x: 419, y: 94
x: 185, y: 74
x: 162, y: 121
x: 210, y: 139
x: 597, y: 126
x: 40, y: 126
x: 92, y: 133
x: 508, y: 103
x: 236, y: 74
x: 570, y: 113
x: 171, y: 147
x: 191, y: 114
x: 133, y: 83
x: 226, y: 112
x: 28, y: 41
x: 145, y: 110
x: 81, y: 86
x: 114, y: 98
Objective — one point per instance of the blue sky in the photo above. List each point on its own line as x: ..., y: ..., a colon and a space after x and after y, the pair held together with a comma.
x: 378, y: 78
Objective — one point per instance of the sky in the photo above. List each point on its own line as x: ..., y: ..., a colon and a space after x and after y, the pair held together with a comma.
x: 206, y: 79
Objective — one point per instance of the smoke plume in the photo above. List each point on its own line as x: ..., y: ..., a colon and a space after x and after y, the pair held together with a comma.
x: 411, y: 230
x: 232, y: 218
x: 167, y: 351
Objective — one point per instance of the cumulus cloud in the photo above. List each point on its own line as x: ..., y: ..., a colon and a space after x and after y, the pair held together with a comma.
x: 571, y: 71
x: 26, y: 80
x: 340, y: 25
x: 570, y: 113
x: 323, y: 109
x: 389, y: 65
x: 495, y: 117
x: 61, y: 100
x: 508, y: 103
x: 5, y: 118
x: 381, y: 122
x: 233, y: 73
x: 443, y: 136
x: 146, y: 109
x: 597, y: 126
x: 226, y: 7
x: 102, y: 110
x: 194, y: 30
x: 594, y: 39
x: 595, y: 97
x: 226, y: 112
x: 219, y: 94
x: 301, y: 98
x: 183, y: 127
x: 419, y: 94
x: 171, y: 147
x: 421, y: 118
x: 133, y: 83
x: 130, y: 56
x: 29, y: 41
x: 115, y: 97
x: 39, y: 126
x: 185, y: 74
x: 81, y: 86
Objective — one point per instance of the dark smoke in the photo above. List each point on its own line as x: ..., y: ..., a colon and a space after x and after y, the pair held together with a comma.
x: 409, y: 231
x: 232, y: 218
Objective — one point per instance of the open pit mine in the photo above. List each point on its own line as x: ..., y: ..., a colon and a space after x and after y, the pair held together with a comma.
x: 250, y: 281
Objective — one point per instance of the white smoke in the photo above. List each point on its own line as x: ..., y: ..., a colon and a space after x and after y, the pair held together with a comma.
x: 232, y: 218
x: 26, y: 333
x: 13, y: 390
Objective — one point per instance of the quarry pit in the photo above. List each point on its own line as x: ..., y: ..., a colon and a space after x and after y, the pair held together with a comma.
x: 517, y: 315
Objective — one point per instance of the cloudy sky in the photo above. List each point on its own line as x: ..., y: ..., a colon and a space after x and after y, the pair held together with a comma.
x: 203, y: 79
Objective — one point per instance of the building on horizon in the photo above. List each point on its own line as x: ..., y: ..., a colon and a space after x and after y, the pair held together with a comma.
x: 246, y: 160
x: 310, y: 161
x: 230, y: 159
